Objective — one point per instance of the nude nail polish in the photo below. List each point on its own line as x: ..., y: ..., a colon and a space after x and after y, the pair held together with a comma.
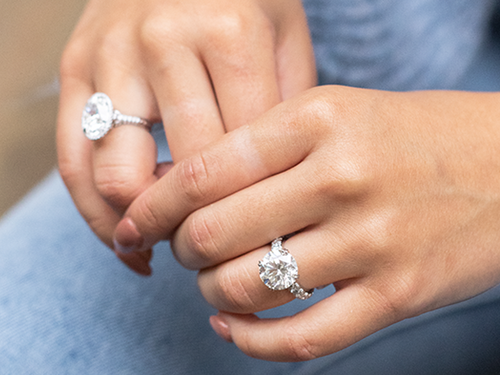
x: 127, y: 238
x: 220, y: 326
x: 136, y: 262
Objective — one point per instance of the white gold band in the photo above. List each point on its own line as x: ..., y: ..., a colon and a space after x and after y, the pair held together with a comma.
x: 121, y: 119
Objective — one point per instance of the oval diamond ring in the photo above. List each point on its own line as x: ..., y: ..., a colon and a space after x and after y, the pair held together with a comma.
x: 99, y: 117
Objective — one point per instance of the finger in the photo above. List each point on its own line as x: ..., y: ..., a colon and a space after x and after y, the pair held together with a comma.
x: 242, y: 65
x: 125, y: 158
x: 75, y: 160
x: 248, y: 155
x: 331, y: 325
x: 138, y: 262
x: 296, y: 67
x: 322, y: 259
x: 268, y: 209
x: 75, y: 167
x: 185, y: 97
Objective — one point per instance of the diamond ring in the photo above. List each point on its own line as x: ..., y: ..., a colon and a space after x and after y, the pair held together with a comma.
x: 99, y: 117
x: 278, y: 270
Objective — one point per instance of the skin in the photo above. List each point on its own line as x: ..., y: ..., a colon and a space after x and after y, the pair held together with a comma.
x: 395, y: 197
x: 399, y: 191
x: 203, y: 67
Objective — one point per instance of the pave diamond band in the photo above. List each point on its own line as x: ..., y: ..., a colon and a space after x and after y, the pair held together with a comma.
x: 99, y: 117
x: 278, y: 270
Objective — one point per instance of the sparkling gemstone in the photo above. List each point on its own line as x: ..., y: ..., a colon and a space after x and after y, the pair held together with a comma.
x: 278, y: 269
x: 97, y: 117
x: 299, y: 292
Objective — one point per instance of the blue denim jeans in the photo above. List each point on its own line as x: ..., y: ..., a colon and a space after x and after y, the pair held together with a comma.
x: 68, y: 306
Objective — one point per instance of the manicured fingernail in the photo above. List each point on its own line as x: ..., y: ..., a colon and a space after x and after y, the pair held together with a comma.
x: 221, y: 327
x: 136, y: 262
x: 127, y: 237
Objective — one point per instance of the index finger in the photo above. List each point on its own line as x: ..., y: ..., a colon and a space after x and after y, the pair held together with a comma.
x: 274, y: 143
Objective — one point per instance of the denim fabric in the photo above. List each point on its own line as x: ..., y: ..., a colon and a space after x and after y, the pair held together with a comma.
x: 67, y: 306
x: 396, y: 44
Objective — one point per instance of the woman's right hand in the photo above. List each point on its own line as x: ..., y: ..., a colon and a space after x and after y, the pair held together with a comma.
x: 203, y: 67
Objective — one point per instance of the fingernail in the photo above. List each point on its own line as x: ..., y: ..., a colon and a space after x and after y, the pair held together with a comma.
x: 136, y: 262
x: 127, y: 237
x: 221, y: 327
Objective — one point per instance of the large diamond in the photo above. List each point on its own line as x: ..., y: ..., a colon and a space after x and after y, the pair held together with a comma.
x: 278, y: 269
x: 97, y: 117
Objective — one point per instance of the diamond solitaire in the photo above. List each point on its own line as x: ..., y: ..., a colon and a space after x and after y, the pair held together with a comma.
x: 278, y: 270
x: 99, y: 117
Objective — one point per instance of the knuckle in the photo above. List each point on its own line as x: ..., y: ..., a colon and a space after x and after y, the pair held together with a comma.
x: 115, y: 42
x: 117, y: 184
x: 233, y: 37
x: 146, y: 213
x: 395, y: 299
x: 341, y: 179
x: 320, y: 101
x: 315, y: 107
x: 158, y: 34
x: 72, y: 61
x: 201, y: 241
x: 378, y: 233
x: 232, y: 30
x: 194, y: 179
x: 229, y: 27
x: 349, y: 172
x: 298, y: 347
x: 235, y: 295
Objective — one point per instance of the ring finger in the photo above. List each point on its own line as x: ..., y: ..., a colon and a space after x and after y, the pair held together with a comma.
x: 322, y: 258
x: 124, y: 160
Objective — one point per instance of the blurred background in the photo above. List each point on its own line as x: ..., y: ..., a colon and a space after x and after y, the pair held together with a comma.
x: 32, y: 36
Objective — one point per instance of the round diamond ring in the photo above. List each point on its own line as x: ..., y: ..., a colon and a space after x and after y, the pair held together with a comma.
x: 99, y: 117
x: 278, y: 270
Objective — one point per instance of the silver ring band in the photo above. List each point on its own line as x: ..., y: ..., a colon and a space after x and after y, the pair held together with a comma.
x: 99, y: 117
x: 121, y: 119
x: 278, y: 271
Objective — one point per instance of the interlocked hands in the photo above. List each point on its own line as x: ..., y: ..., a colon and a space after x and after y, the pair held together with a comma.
x: 395, y: 196
x: 202, y: 67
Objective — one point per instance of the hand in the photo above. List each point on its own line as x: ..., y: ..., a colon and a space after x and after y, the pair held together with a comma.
x: 203, y: 67
x: 396, y: 197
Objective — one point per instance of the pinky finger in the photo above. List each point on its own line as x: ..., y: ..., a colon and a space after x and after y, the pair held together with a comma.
x: 324, y: 328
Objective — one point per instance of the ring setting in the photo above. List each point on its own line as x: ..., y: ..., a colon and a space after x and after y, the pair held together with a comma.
x: 278, y: 270
x: 99, y: 117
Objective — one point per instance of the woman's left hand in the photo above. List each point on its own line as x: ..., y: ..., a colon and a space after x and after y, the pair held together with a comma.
x: 395, y: 198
